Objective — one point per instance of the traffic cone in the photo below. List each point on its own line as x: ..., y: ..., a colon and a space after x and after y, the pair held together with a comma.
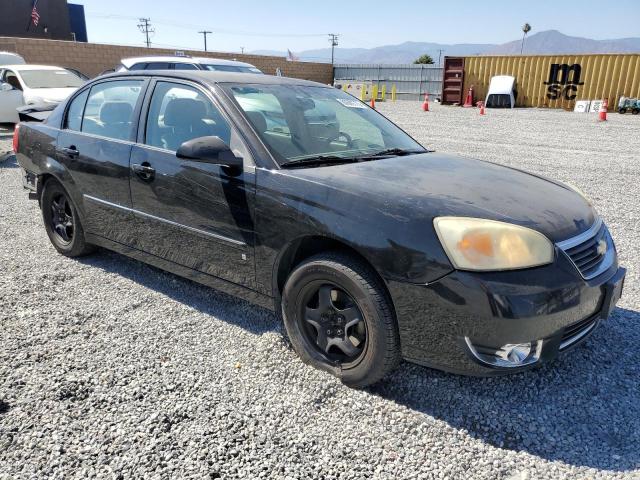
x: 425, y: 104
x: 602, y: 113
x: 468, y: 103
x: 481, y: 108
x: 373, y: 103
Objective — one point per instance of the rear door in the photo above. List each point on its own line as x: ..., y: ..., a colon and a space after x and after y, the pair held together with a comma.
x: 194, y: 214
x: 95, y: 145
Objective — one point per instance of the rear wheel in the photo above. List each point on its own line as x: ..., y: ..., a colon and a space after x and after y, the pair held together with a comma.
x: 62, y: 222
x: 635, y: 111
x: 339, y: 318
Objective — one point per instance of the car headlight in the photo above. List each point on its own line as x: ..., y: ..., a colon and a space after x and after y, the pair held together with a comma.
x: 484, y: 245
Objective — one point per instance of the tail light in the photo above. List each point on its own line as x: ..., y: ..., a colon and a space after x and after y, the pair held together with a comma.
x: 16, y: 134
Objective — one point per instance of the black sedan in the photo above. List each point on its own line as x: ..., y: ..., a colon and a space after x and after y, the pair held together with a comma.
x: 301, y: 198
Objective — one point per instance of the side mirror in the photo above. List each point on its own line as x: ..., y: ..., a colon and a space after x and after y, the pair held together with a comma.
x: 209, y: 150
x: 5, y: 87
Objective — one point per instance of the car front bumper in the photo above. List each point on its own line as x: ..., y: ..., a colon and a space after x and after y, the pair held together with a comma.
x: 440, y: 322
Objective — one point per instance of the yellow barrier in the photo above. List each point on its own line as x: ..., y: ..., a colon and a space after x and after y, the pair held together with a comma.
x: 384, y: 91
x: 393, y: 92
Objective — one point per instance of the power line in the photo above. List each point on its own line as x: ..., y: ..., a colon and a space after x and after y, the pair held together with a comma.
x: 205, y: 33
x: 146, y: 28
x: 333, y: 39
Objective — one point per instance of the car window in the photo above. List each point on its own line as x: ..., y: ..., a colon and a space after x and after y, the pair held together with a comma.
x: 110, y: 108
x: 12, y: 79
x: 50, y: 79
x: 138, y: 66
x: 298, y: 122
x: 76, y: 109
x: 179, y: 113
x: 157, y: 66
x: 185, y: 66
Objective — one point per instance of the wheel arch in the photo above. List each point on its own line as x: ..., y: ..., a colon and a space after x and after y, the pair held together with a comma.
x: 306, y: 247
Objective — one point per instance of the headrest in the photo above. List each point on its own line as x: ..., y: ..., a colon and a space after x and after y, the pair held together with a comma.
x: 258, y: 121
x: 116, y: 112
x: 184, y: 112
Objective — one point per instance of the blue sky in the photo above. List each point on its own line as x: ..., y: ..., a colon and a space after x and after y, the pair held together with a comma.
x: 302, y: 25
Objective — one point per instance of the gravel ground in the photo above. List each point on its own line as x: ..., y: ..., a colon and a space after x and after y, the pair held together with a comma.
x: 113, y: 369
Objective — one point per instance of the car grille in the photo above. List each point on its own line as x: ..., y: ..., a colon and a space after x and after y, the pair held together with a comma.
x: 576, y: 332
x: 590, y: 252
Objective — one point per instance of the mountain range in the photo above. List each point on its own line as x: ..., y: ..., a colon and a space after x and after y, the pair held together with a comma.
x: 541, y: 43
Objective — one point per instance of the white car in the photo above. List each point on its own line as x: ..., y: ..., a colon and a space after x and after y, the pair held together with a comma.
x: 33, y: 84
x: 502, y: 92
x: 182, y: 62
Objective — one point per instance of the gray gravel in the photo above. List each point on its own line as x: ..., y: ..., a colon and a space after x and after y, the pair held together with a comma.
x: 113, y: 369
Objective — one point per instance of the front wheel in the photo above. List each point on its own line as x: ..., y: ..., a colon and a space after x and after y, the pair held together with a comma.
x: 62, y: 222
x: 339, y: 318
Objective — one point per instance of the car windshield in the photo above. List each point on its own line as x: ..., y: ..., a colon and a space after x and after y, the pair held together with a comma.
x: 50, y: 79
x: 230, y: 68
x: 299, y: 123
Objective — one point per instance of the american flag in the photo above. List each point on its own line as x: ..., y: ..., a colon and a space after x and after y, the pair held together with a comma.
x: 35, y: 16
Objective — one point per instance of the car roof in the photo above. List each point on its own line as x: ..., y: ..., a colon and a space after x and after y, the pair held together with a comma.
x: 31, y: 67
x: 213, y: 77
x: 128, y: 62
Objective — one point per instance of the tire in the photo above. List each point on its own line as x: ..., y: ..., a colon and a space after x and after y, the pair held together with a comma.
x: 356, y: 295
x: 622, y: 110
x: 67, y: 236
x: 635, y: 111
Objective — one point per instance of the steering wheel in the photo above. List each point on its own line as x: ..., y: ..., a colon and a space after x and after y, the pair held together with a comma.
x: 344, y: 135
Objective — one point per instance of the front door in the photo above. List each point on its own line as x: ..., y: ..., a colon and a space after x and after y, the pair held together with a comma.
x: 11, y: 97
x: 194, y: 214
x: 95, y: 146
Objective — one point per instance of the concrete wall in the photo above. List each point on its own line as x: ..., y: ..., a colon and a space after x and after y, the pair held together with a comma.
x: 92, y: 58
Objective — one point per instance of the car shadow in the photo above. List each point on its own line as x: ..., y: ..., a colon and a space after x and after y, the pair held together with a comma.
x: 8, y: 160
x: 253, y: 318
x: 583, y: 409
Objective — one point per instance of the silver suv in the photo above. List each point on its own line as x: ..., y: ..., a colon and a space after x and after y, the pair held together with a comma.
x: 185, y: 63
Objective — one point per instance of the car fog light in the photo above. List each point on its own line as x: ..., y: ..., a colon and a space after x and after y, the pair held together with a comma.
x: 510, y: 355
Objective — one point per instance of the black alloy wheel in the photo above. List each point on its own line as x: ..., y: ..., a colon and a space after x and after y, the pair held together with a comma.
x: 62, y: 217
x: 339, y: 318
x: 62, y: 222
x: 332, y: 321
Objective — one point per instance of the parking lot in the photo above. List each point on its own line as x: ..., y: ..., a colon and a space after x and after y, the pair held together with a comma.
x: 111, y: 368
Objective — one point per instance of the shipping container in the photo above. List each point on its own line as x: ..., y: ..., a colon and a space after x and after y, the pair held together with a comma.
x: 554, y: 81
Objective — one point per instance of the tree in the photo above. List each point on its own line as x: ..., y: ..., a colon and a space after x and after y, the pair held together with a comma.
x: 424, y: 60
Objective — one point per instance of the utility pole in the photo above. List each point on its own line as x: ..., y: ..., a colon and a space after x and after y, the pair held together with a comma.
x: 333, y: 39
x: 146, y: 28
x: 439, y: 56
x: 205, y: 33
x: 242, y: 50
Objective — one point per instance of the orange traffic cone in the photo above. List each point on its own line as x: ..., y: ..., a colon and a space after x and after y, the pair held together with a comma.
x: 481, y: 108
x: 373, y: 103
x: 602, y: 113
x: 425, y: 104
x: 468, y: 103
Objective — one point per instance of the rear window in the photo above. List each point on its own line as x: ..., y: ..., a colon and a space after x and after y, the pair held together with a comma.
x: 50, y: 79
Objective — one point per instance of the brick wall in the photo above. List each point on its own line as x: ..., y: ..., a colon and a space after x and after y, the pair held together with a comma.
x: 92, y: 58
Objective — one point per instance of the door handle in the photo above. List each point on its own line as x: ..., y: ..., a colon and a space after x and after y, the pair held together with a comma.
x: 71, y: 152
x: 145, y: 171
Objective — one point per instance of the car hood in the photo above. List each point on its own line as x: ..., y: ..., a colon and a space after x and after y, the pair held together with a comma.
x: 48, y: 94
x: 421, y: 187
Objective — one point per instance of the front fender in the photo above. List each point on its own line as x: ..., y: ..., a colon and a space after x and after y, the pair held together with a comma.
x: 289, y: 208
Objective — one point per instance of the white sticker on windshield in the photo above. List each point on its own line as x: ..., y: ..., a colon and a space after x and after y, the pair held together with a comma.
x: 347, y: 102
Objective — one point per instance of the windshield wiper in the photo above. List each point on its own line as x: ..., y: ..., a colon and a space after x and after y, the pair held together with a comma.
x: 392, y: 152
x: 319, y: 160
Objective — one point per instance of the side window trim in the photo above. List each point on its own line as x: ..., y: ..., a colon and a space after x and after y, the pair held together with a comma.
x: 65, y: 118
x: 144, y: 113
